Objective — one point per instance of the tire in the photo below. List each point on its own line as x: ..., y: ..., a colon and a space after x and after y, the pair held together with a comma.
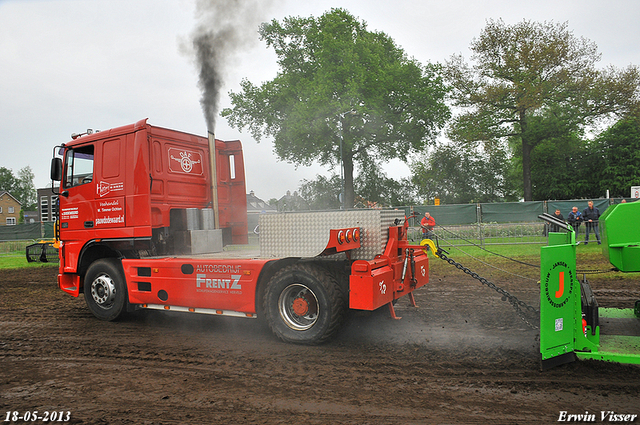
x: 303, y: 304
x: 105, y: 290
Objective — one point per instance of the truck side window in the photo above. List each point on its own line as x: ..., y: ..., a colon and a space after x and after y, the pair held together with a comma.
x: 78, y: 166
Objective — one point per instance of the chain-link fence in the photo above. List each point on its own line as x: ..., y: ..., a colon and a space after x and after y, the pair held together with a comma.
x: 12, y: 247
x: 497, y: 223
x: 486, y: 234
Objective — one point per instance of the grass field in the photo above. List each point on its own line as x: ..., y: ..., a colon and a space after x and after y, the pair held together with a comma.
x: 589, y: 258
x: 18, y: 260
x: 13, y: 256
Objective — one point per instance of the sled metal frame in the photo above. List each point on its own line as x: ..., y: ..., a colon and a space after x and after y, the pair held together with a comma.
x: 43, y: 251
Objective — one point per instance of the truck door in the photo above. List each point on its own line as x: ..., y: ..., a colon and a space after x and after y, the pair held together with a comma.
x: 78, y: 190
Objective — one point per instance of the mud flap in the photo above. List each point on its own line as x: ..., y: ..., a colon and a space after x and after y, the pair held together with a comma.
x: 557, y: 361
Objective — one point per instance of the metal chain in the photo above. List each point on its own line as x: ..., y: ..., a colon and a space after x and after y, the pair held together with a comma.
x: 517, y: 304
x: 489, y: 251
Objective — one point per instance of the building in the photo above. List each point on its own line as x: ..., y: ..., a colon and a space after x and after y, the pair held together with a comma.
x: 31, y: 217
x: 255, y: 207
x: 293, y: 202
x: 9, y: 209
x: 47, y: 205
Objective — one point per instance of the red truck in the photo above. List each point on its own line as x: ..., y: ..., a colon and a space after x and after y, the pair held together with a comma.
x: 152, y: 218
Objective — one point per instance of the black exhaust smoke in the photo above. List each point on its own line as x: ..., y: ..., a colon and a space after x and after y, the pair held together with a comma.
x: 210, y: 76
x: 225, y: 28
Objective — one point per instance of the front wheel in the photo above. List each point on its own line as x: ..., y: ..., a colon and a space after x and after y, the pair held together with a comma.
x: 303, y: 304
x: 105, y: 289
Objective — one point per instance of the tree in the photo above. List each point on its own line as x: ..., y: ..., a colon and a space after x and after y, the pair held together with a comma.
x: 321, y: 193
x: 614, y: 165
x: 534, y: 71
x: 558, y: 169
x: 374, y: 188
x: 25, y: 189
x: 461, y: 173
x: 21, y: 188
x: 343, y: 95
x: 7, y: 180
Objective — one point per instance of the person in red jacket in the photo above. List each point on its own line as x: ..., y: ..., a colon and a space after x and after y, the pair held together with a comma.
x: 427, y: 223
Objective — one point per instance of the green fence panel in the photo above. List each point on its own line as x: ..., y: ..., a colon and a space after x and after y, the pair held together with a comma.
x: 511, y: 212
x: 48, y: 229
x: 566, y: 206
x: 449, y: 214
x: 20, y: 232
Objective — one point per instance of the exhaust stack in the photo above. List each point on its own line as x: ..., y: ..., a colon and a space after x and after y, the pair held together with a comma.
x: 214, y: 179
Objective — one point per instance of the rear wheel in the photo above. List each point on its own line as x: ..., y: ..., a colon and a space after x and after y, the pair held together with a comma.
x: 105, y: 289
x: 303, y: 304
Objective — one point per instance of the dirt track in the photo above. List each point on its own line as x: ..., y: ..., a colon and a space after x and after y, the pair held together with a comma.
x: 463, y: 356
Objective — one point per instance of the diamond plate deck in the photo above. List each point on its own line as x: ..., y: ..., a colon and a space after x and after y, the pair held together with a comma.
x: 306, y: 234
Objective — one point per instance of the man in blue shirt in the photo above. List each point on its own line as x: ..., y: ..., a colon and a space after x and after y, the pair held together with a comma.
x: 575, y: 219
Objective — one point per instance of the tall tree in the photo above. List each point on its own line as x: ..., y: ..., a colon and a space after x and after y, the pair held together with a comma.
x: 557, y: 161
x: 529, y: 71
x: 25, y: 189
x: 7, y: 180
x: 343, y: 95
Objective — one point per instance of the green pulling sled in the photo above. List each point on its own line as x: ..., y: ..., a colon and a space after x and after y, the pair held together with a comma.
x: 569, y: 314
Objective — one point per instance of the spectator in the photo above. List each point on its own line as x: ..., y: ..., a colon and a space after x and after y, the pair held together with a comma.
x: 427, y: 223
x: 555, y: 227
x: 590, y: 216
x: 575, y: 219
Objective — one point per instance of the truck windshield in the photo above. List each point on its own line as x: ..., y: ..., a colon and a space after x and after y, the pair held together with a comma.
x: 78, y: 166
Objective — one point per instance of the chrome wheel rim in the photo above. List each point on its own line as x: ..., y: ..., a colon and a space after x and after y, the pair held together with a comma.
x: 103, y: 291
x: 298, y: 307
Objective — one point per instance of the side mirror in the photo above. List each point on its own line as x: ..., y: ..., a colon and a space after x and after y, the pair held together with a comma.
x: 56, y: 169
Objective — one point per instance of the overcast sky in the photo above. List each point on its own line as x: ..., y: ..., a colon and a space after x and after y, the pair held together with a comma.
x: 66, y: 66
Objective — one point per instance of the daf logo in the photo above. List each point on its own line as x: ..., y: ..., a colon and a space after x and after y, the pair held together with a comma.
x: 186, y: 163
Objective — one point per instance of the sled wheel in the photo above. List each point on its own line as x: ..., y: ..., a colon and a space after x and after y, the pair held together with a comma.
x: 303, y: 304
x: 105, y: 289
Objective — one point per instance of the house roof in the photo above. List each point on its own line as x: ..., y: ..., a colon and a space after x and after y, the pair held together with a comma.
x: 255, y: 204
x: 3, y: 192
